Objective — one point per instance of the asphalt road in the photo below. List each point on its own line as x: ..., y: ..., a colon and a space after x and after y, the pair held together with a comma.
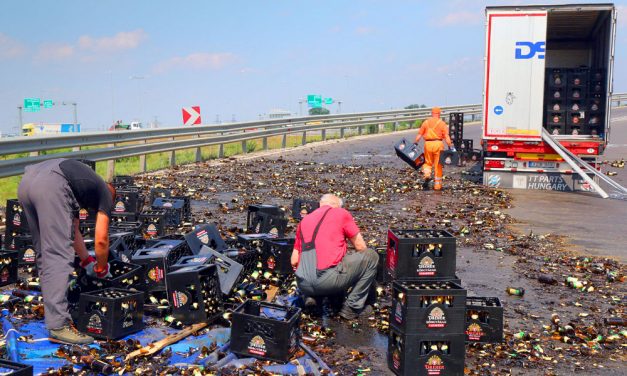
x: 592, y: 224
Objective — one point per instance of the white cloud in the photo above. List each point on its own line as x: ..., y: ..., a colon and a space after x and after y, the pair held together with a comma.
x: 463, y: 18
x: 198, y: 61
x: 125, y: 40
x: 55, y: 52
x: 10, y: 48
x: 364, y: 30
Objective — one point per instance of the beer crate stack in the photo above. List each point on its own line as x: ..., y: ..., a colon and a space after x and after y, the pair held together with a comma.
x: 456, y: 129
x: 431, y: 316
x: 17, y: 235
x: 574, y: 101
x: 428, y: 304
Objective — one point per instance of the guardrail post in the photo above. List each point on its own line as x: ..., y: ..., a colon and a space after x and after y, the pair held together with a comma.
x: 76, y: 148
x: 244, y: 147
x: 221, y: 151
x: 172, y: 155
x: 324, y: 135
x: 395, y: 126
x: 284, y: 141
x: 341, y: 132
x: 110, y: 166
x: 304, y: 140
x: 142, y: 159
x: 33, y: 153
x: 360, y: 130
x: 264, y: 142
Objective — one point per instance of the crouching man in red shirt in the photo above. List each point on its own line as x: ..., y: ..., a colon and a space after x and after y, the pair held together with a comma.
x: 323, y: 267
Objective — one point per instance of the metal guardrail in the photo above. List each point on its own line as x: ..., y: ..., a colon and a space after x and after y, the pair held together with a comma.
x: 143, y: 142
x: 160, y: 140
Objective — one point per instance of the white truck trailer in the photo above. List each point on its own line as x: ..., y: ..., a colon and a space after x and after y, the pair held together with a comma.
x: 548, y: 70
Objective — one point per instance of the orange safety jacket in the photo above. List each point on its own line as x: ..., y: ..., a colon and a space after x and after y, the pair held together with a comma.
x: 434, y: 129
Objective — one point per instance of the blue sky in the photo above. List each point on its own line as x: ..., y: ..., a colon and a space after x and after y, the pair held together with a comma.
x: 241, y: 58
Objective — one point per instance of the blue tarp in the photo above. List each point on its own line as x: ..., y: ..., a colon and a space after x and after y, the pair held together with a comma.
x: 41, y: 353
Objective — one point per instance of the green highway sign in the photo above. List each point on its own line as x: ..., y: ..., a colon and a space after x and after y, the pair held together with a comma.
x: 32, y: 104
x: 48, y: 103
x: 328, y: 100
x: 314, y: 100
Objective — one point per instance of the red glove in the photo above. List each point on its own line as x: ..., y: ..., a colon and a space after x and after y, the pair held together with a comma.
x: 87, y: 261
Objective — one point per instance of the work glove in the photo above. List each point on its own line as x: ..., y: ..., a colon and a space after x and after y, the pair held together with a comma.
x: 452, y: 148
x: 89, y: 269
x: 88, y: 264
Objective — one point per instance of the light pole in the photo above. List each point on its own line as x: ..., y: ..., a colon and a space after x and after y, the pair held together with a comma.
x: 19, y: 114
x: 138, y: 78
x: 75, y: 116
x: 300, y: 107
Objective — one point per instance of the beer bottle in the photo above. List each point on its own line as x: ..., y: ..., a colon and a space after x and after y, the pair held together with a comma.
x: 516, y: 291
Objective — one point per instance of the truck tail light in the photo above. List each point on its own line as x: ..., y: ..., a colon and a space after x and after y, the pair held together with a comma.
x: 494, y: 164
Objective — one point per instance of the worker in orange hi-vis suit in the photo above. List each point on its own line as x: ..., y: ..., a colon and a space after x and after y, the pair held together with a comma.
x: 434, y: 130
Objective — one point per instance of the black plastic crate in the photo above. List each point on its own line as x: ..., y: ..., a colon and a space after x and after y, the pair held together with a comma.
x: 555, y: 119
x: 123, y: 180
x: 577, y: 93
x: 577, y: 105
x: 578, y: 80
x: 122, y: 245
x: 574, y: 129
x: 15, y: 218
x: 124, y: 275
x: 382, y: 274
x: 8, y: 267
x: 10, y: 368
x: 159, y: 192
x: 122, y: 217
x: 229, y: 270
x: 410, y: 153
x: 248, y: 258
x: 555, y: 106
x: 187, y: 206
x: 265, y: 331
x: 194, y: 293
x: 420, y: 254
x: 426, y: 354
x: 556, y: 78
x: 449, y: 157
x: 111, y: 313
x: 128, y: 200
x: 87, y: 215
x: 597, y: 87
x: 484, y: 320
x: 174, y: 210
x: 262, y: 222
x: 134, y: 227
x: 253, y: 241
x: 205, y: 235
x: 596, y: 104
x: 261, y: 208
x: 556, y: 129
x: 302, y: 207
x: 428, y: 307
x: 276, y: 256
x: 575, y: 118
x: 153, y: 223
x: 157, y: 261
x: 23, y: 244
x: 193, y: 260
x: 555, y: 93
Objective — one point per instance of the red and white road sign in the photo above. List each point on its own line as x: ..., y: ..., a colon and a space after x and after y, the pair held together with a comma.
x: 191, y: 115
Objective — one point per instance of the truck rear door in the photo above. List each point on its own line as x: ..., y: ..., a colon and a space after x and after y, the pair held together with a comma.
x: 514, y: 79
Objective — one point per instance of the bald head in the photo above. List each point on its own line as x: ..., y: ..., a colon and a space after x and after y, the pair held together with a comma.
x: 331, y: 200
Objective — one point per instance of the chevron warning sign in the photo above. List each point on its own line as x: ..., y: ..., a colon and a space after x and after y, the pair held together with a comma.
x: 191, y: 115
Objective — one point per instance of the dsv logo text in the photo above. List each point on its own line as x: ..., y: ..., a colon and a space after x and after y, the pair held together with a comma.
x: 527, y: 50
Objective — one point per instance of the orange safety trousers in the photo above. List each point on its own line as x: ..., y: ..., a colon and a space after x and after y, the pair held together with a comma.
x: 432, y: 161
